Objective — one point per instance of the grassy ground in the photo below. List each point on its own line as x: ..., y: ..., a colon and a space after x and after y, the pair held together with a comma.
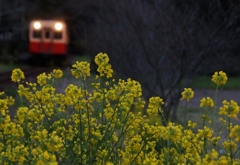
x: 81, y: 58
x: 204, y: 82
x: 8, y: 67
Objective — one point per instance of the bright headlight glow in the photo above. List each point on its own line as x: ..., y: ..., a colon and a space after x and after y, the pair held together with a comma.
x: 58, y: 26
x: 37, y: 25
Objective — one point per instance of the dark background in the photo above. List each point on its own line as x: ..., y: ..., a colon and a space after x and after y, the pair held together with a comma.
x: 163, y: 44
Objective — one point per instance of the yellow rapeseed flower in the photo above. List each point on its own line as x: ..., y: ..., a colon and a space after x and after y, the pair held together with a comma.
x: 192, y: 124
x: 81, y: 69
x: 17, y: 75
x: 230, y: 109
x: 224, y: 160
x: 57, y: 73
x: 229, y: 145
x: 155, y: 105
x: 42, y: 79
x: 46, y: 155
x: 206, y: 132
x: 40, y: 162
x: 208, y: 102
x: 187, y: 94
x: 215, y: 140
x: 88, y: 122
x: 235, y: 132
x: 101, y: 58
x: 21, y: 114
x: 219, y: 78
x: 135, y: 144
x: 10, y: 100
x: 104, y: 68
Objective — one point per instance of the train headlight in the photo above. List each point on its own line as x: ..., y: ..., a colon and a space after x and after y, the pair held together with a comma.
x: 37, y: 25
x: 58, y: 26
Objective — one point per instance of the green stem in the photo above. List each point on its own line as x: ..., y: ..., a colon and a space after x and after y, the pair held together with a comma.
x: 80, y: 134
x: 229, y: 130
x: 142, y: 148
x: 28, y: 140
x: 88, y: 117
x: 215, y: 106
x: 168, y: 147
x: 122, y: 133
x: 185, y: 114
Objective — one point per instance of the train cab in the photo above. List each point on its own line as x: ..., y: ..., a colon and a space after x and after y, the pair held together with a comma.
x: 48, y: 37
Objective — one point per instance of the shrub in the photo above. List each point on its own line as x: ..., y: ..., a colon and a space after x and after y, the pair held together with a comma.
x: 100, y: 121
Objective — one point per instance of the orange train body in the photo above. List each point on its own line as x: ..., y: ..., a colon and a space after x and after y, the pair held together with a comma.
x: 48, y: 37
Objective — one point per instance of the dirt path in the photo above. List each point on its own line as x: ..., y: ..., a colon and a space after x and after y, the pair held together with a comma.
x: 222, y: 95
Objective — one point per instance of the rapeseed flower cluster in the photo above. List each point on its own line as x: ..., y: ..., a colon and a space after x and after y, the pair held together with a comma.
x: 104, y: 68
x: 230, y: 109
x: 208, y: 102
x: 17, y: 75
x: 81, y: 69
x: 219, y: 78
x: 235, y: 133
x: 187, y: 94
x: 155, y: 105
x: 101, y: 122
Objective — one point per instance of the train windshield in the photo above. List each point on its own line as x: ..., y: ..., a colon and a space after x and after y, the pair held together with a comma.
x: 37, y: 34
x: 47, y: 34
x: 58, y: 35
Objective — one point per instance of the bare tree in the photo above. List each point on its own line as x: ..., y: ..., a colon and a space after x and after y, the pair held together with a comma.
x: 162, y: 43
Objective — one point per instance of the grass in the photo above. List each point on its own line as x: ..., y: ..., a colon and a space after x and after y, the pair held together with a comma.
x: 204, y: 82
x: 9, y: 67
x: 81, y: 58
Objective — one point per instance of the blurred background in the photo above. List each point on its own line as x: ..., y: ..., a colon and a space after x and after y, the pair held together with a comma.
x: 164, y: 44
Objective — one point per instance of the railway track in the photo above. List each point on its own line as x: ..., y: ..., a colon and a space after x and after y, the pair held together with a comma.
x: 30, y: 75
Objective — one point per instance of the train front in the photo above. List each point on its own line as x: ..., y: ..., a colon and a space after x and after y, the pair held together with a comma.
x: 48, y: 37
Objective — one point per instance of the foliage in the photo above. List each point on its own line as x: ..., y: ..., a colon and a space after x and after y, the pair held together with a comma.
x: 100, y: 122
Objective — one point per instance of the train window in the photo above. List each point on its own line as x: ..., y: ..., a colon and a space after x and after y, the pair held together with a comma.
x: 37, y: 34
x: 58, y: 35
x: 47, y: 34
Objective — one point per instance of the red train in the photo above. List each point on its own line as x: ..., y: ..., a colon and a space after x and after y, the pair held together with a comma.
x: 48, y: 37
